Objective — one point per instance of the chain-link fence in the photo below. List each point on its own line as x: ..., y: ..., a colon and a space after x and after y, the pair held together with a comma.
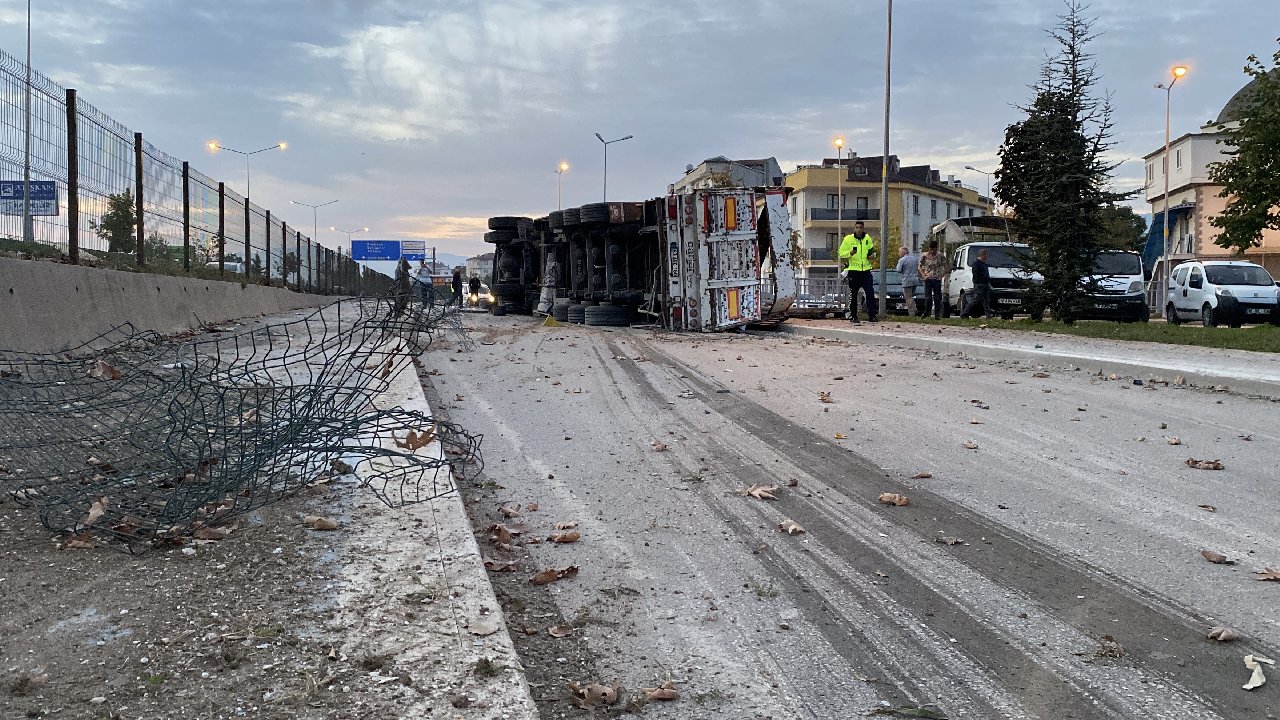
x: 101, y: 194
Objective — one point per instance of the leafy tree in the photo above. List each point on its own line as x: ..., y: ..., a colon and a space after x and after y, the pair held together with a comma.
x: 116, y: 226
x: 156, y: 250
x: 1251, y: 177
x: 286, y: 266
x: 255, y: 267
x: 1122, y: 228
x: 1053, y: 172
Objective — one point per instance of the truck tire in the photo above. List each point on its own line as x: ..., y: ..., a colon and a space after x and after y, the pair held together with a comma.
x: 499, y: 237
x: 576, y: 314
x: 1171, y: 315
x: 1206, y: 317
x: 608, y: 315
x: 571, y: 216
x: 556, y: 219
x: 560, y: 312
x: 594, y: 213
x: 505, y: 222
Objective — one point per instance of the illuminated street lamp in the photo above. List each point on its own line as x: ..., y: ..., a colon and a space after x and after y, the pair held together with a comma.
x: 1178, y: 71
x: 349, y: 232
x: 214, y: 146
x: 607, y: 143
x: 560, y: 171
x: 839, y: 143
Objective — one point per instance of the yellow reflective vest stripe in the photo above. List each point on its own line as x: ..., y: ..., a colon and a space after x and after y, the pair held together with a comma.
x: 855, y: 253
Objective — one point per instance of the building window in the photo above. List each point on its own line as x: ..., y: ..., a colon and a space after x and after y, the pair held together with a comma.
x: 970, y: 212
x: 863, y: 202
x: 1151, y: 172
x: 915, y: 204
x: 915, y: 241
x: 859, y: 170
x: 832, y: 239
x: 831, y: 201
x: 1164, y: 166
x: 793, y: 206
x: 933, y: 209
x: 1177, y: 158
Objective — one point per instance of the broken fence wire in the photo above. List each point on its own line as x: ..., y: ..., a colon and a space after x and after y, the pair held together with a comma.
x: 141, y: 439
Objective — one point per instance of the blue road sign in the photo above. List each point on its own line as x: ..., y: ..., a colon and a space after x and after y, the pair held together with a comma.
x: 44, y: 197
x: 375, y: 250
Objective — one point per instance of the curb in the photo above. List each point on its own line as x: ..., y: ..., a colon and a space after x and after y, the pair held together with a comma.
x: 1264, y: 387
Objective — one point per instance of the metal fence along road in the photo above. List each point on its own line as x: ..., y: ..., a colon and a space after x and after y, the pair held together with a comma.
x: 180, y: 216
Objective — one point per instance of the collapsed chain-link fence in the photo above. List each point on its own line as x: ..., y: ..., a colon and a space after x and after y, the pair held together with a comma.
x: 142, y: 439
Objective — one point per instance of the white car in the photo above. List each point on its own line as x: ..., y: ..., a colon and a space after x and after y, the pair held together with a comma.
x: 1221, y: 292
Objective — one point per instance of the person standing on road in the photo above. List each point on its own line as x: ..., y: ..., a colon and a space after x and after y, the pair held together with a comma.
x: 457, y: 287
x: 933, y: 268
x: 474, y: 284
x: 909, y: 271
x: 981, y: 288
x: 856, y: 253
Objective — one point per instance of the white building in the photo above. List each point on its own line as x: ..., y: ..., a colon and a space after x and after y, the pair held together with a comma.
x: 481, y: 266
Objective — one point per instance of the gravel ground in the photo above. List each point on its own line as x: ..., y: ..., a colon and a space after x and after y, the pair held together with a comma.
x: 1052, y: 571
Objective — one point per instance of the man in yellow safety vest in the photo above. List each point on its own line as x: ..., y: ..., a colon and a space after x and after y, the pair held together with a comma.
x: 856, y: 254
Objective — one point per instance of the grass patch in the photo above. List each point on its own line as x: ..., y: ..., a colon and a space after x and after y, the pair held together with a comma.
x: 1259, y: 338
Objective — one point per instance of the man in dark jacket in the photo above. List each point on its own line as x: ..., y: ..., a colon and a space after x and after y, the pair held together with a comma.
x: 981, y: 288
x: 457, y: 287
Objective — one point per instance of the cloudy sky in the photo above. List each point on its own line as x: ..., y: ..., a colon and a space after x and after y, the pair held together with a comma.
x: 424, y: 118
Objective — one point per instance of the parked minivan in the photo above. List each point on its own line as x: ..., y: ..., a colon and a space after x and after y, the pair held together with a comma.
x: 1121, y: 289
x: 1010, y: 277
x: 1222, y: 292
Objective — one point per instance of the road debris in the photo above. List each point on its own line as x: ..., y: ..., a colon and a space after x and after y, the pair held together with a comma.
x: 593, y: 694
x: 1204, y: 464
x: 317, y: 522
x: 564, y: 538
x: 1255, y: 663
x: 1173, y: 440
x: 825, y: 397
x: 790, y: 527
x: 1216, y: 558
x: 665, y: 691
x: 894, y: 499
x: 1109, y: 648
x: 1222, y: 634
x: 659, y: 446
x: 760, y: 492
x: 1268, y: 574
x: 560, y: 631
x: 1210, y: 508
x: 969, y: 445
x: 551, y: 575
x: 922, y: 475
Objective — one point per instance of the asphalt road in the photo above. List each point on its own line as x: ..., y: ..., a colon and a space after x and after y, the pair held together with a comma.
x: 1075, y: 588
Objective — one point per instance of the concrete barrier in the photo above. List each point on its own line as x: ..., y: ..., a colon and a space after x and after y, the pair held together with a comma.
x: 47, y: 306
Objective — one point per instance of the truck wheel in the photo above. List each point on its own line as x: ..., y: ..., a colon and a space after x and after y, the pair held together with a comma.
x: 1171, y: 315
x: 1206, y: 316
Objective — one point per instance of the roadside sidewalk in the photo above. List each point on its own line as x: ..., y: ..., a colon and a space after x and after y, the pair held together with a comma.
x: 1242, y: 371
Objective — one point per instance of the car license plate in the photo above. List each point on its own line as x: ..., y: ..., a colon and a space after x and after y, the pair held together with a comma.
x: 1009, y: 301
x: 1257, y: 311
x: 1106, y: 306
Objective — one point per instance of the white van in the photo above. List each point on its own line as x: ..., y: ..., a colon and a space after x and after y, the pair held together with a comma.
x: 1222, y: 292
x: 1121, y: 289
x: 1010, y: 277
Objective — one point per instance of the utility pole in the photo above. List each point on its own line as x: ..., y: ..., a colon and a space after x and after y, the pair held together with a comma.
x: 28, y: 229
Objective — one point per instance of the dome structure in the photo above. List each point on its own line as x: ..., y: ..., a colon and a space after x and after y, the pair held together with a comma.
x: 1236, y: 107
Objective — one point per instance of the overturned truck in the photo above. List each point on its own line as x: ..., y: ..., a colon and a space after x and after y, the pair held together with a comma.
x: 706, y: 260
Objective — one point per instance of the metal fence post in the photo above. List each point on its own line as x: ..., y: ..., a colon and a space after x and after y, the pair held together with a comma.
x: 73, y: 179
x: 297, y: 239
x: 222, y: 229
x: 186, y: 216
x: 137, y: 200
x: 248, y: 233
x: 266, y: 263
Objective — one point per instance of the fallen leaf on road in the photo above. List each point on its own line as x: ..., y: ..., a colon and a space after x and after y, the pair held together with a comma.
x: 974, y: 421
x: 825, y: 397
x: 565, y: 538
x: 415, y: 440
x: 551, y: 575
x: 532, y: 507
x: 560, y: 631
x: 760, y: 492
x: 499, y: 565
x: 841, y: 436
x: 793, y: 482
x: 509, y: 511
x: 500, y: 534
x: 1173, y: 440
x: 894, y: 499
x: 922, y: 476
x: 1270, y: 573
x: 316, y: 522
x: 790, y: 527
x: 96, y: 510
x: 665, y: 691
x: 1222, y: 634
x: 659, y: 446
x: 595, y: 694
x: 1108, y: 647
x: 1216, y: 558
x: 1254, y: 663
x: 947, y: 540
x: 969, y: 445
x: 1204, y: 464
x: 79, y: 541
x: 103, y: 371
x: 566, y: 525
x: 1210, y: 508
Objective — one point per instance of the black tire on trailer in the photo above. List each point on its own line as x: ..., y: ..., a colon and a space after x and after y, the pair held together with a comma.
x: 576, y: 314
x: 608, y: 316
x: 504, y: 222
x: 556, y: 219
x: 499, y: 236
x: 560, y: 312
x: 508, y: 292
x: 571, y: 216
x: 594, y: 213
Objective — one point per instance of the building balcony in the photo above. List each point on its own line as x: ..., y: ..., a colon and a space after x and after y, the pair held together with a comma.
x: 818, y: 255
x: 850, y: 214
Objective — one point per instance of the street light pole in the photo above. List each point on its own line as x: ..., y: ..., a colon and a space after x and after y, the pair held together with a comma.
x: 1178, y: 71
x: 884, y: 168
x: 560, y: 171
x: 984, y: 172
x: 215, y: 146
x: 839, y: 143
x: 351, y: 250
x: 607, y: 143
x: 28, y: 231
x: 315, y: 211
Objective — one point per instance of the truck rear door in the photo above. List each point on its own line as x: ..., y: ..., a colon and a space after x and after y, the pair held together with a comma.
x: 712, y: 260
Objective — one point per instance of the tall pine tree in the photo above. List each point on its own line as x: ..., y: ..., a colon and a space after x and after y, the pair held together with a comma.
x: 1053, y: 173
